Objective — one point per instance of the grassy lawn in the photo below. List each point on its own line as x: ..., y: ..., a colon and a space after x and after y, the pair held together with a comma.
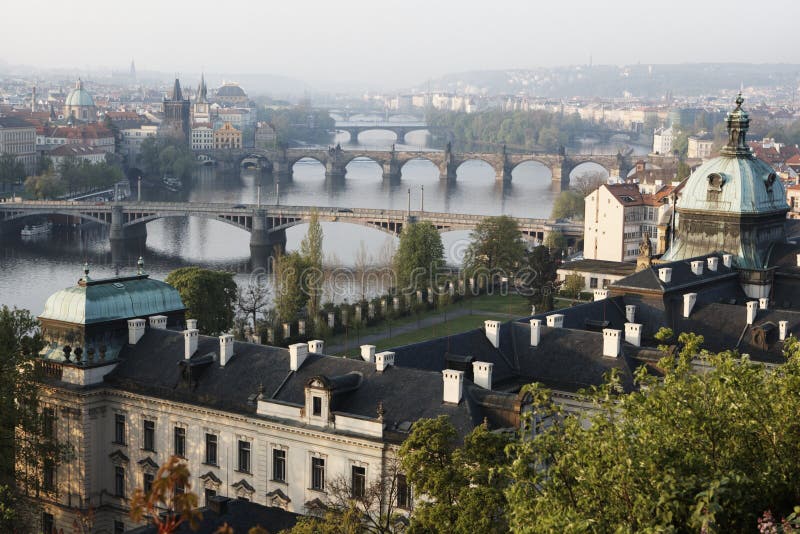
x: 454, y: 326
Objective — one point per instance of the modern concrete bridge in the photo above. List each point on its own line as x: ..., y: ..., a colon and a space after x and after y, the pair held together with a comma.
x: 335, y: 160
x: 267, y: 224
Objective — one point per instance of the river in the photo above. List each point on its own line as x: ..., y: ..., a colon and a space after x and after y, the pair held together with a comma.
x: 32, y: 270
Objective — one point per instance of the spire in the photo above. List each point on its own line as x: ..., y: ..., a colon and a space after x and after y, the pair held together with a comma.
x: 176, y: 91
x: 202, y: 92
x: 79, y: 84
x: 737, y: 122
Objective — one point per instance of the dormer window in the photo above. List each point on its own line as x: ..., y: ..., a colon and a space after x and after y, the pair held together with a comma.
x: 316, y: 409
x: 770, y: 181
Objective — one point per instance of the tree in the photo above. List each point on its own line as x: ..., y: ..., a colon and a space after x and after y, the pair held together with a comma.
x: 253, y: 299
x: 11, y: 170
x: 683, y: 170
x: 28, y: 441
x: 168, y: 503
x: 311, y: 250
x: 568, y: 204
x: 45, y: 186
x: 693, y: 451
x: 462, y: 488
x: 291, y: 293
x: 536, y: 279
x: 209, y: 297
x: 587, y: 183
x: 555, y: 241
x: 496, y: 247
x: 419, y: 257
x: 573, y: 285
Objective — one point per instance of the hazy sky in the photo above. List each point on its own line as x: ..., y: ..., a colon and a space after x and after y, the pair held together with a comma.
x: 396, y: 43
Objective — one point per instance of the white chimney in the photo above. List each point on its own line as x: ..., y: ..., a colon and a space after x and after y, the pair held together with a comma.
x: 492, y: 332
x: 783, y: 327
x: 190, y: 338
x: 225, y: 349
x: 555, y: 321
x: 600, y: 294
x: 368, y: 353
x: 689, y: 300
x: 482, y: 374
x: 763, y: 303
x: 633, y: 334
x: 612, y: 342
x: 665, y: 274
x: 727, y: 260
x: 135, y: 330
x: 317, y: 346
x: 384, y: 360
x: 752, y: 310
x: 713, y: 263
x: 536, y: 332
x: 158, y: 322
x: 297, y: 355
x: 697, y: 267
x: 630, y: 312
x: 798, y: 260
x: 191, y: 324
x: 453, y: 385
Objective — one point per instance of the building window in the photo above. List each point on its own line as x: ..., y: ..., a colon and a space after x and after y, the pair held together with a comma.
x: 403, y: 492
x: 180, y: 441
x: 149, y: 436
x: 119, y: 429
x: 148, y: 483
x: 593, y: 283
x: 208, y: 494
x: 279, y: 465
x: 316, y: 409
x: 49, y: 476
x: 318, y: 474
x: 49, y: 423
x: 48, y: 523
x: 119, y: 527
x: 244, y: 456
x: 119, y: 481
x: 211, y: 449
x: 358, y: 481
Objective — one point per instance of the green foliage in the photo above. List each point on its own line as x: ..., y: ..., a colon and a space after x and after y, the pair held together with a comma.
x: 680, y: 143
x: 419, y: 257
x: 45, y: 186
x: 568, y: 204
x: 536, y: 280
x: 555, y: 241
x: 697, y: 451
x: 25, y: 444
x: 160, y: 156
x: 11, y: 170
x: 299, y: 123
x: 523, y: 130
x: 79, y: 176
x: 291, y: 292
x: 496, y: 247
x: 311, y: 250
x: 463, y: 486
x: 209, y: 297
x: 683, y: 170
x: 573, y: 285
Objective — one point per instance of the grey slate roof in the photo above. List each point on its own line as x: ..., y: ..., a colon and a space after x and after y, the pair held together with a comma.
x: 682, y: 275
x: 155, y: 366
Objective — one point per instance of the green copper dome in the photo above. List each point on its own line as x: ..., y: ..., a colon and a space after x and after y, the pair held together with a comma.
x: 98, y: 301
x: 79, y: 96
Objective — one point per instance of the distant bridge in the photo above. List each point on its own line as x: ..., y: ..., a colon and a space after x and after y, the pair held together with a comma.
x: 399, y: 129
x: 335, y: 160
x: 267, y: 224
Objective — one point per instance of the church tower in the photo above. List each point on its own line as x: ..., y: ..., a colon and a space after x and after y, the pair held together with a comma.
x: 200, y: 110
x: 176, y: 115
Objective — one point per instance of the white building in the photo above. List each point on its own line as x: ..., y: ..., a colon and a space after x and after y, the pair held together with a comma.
x: 77, y: 152
x: 617, y: 216
x: 202, y: 137
x: 662, y: 141
x: 267, y: 424
x: 700, y: 146
x: 18, y: 137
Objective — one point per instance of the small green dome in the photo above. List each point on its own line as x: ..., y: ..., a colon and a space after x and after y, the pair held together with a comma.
x: 98, y: 301
x: 79, y: 96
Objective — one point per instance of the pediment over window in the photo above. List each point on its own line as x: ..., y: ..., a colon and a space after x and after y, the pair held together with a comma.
x: 278, y: 499
x: 316, y: 507
x: 210, y: 480
x: 118, y: 457
x: 148, y: 465
x: 243, y: 489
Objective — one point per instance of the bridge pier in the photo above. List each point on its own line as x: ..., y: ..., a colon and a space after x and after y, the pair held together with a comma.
x: 391, y: 171
x: 282, y: 169
x: 136, y: 233
x: 264, y: 241
x: 335, y: 170
x: 560, y: 180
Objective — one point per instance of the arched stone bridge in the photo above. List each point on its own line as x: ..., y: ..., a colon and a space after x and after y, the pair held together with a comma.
x: 267, y: 224
x: 399, y: 130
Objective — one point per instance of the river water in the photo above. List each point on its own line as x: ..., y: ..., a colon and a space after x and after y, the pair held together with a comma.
x: 32, y: 270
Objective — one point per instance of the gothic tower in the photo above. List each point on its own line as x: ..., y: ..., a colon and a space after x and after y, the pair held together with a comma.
x: 176, y: 115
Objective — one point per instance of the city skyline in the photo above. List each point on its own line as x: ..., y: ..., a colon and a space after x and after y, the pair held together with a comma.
x: 408, y: 44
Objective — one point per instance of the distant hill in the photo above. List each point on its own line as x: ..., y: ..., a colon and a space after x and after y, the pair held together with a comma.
x: 690, y: 79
